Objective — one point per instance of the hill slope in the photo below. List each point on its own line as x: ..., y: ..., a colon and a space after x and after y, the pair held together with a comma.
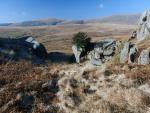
x: 116, y: 19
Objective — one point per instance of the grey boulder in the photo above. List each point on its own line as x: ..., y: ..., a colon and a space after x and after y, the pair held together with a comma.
x: 125, y: 53
x: 144, y: 57
x: 144, y: 26
x: 102, y: 52
x: 22, y: 48
x: 77, y: 52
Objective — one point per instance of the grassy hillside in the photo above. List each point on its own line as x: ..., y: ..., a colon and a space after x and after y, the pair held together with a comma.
x: 115, y: 19
x: 58, y: 38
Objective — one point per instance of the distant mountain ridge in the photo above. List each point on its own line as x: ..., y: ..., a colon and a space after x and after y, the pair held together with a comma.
x: 116, y: 19
x: 124, y: 19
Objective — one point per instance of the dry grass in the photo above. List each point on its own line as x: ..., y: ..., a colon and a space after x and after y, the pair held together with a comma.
x: 79, y: 89
x: 139, y: 73
x: 144, y: 44
x: 58, y: 38
x: 23, y: 77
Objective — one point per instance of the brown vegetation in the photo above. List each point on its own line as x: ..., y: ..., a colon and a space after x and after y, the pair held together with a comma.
x: 59, y: 38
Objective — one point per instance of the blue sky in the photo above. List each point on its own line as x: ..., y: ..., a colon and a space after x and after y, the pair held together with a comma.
x: 21, y: 10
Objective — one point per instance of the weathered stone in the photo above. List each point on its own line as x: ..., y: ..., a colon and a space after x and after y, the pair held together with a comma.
x: 144, y: 57
x: 132, y: 55
x: 109, y: 43
x: 144, y: 26
x: 77, y: 52
x: 134, y: 35
x: 22, y: 48
x: 96, y: 62
x: 101, y: 52
x: 109, y: 51
x: 98, y: 53
x: 125, y: 53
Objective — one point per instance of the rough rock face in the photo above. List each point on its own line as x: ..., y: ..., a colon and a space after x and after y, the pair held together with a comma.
x: 22, y: 48
x: 102, y: 52
x: 129, y: 51
x: 144, y: 57
x: 132, y: 54
x: 144, y: 26
x: 125, y: 52
x: 77, y: 52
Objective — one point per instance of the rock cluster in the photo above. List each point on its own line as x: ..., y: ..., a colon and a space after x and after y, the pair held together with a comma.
x: 22, y: 48
x: 102, y: 52
x: 131, y: 53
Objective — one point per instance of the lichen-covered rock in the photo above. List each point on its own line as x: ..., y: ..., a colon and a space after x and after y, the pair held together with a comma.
x: 77, y: 52
x: 102, y: 52
x: 143, y: 26
x: 144, y: 57
x: 125, y: 53
x: 96, y: 62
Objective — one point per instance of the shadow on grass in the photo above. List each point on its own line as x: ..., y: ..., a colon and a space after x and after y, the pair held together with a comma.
x: 59, y: 57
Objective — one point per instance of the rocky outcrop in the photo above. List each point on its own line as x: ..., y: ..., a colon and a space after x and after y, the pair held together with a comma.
x: 143, y: 26
x: 101, y: 52
x: 130, y: 53
x: 22, y: 48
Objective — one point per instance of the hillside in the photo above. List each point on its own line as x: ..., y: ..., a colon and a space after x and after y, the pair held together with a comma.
x: 118, y: 19
x: 115, y: 19
x: 58, y: 38
x: 59, y: 85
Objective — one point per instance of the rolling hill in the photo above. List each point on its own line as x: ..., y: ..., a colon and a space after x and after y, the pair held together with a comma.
x: 116, y: 19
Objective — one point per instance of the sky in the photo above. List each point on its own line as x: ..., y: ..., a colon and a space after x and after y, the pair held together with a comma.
x: 21, y: 10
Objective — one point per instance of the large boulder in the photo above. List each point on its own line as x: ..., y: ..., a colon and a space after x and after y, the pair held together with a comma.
x: 102, y: 52
x: 144, y: 57
x: 143, y: 26
x: 22, y: 48
x: 128, y: 53
x: 38, y: 48
x: 98, y: 53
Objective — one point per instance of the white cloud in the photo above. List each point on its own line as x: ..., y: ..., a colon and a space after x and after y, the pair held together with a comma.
x: 101, y: 6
